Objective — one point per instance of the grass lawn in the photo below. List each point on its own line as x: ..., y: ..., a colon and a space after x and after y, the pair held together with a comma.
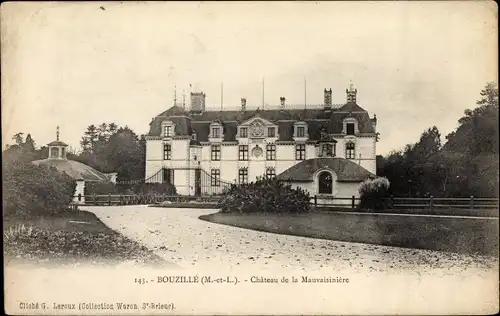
x: 461, y: 235
x: 75, y: 237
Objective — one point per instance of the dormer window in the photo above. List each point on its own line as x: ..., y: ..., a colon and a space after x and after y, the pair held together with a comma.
x: 243, y: 132
x: 350, y: 126
x: 216, y: 131
x: 167, y: 131
x: 300, y: 130
x: 271, y: 132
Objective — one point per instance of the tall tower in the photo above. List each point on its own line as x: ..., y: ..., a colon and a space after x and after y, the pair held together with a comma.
x: 351, y: 94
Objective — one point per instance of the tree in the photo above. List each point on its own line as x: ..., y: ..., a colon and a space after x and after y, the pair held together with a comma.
x: 110, y: 148
x: 18, y: 138
x: 29, y: 144
x: 467, y: 164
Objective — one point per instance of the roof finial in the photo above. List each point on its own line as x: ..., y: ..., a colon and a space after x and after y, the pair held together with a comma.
x: 57, y: 133
x: 351, y: 86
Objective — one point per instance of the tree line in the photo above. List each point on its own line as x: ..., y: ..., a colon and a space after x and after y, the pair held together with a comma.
x: 105, y: 147
x: 466, y: 165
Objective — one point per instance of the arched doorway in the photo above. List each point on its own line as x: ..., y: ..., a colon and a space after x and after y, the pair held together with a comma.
x: 325, y: 183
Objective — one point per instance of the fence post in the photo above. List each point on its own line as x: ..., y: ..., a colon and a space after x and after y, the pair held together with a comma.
x: 353, y: 201
x: 392, y: 201
x: 472, y: 202
x: 109, y: 198
x: 95, y: 199
x: 431, y: 202
x: 121, y: 199
x: 315, y: 200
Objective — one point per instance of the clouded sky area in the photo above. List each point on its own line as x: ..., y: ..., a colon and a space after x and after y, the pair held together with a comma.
x: 415, y: 64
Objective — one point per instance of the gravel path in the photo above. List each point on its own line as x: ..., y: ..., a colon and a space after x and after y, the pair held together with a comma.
x: 180, y: 237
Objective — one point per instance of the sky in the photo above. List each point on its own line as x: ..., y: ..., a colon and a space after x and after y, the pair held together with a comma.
x: 415, y: 64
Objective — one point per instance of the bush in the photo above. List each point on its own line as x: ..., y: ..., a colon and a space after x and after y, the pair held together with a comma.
x: 99, y: 188
x: 374, y: 193
x: 153, y: 188
x: 264, y: 195
x: 30, y: 190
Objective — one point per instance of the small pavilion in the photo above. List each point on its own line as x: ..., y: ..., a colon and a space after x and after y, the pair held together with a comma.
x: 81, y: 172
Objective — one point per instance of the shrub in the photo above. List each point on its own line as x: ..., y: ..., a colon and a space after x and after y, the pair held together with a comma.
x: 99, y: 188
x: 264, y: 195
x: 30, y: 190
x: 374, y: 193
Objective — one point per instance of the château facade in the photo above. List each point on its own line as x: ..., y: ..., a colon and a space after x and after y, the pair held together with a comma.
x: 327, y: 150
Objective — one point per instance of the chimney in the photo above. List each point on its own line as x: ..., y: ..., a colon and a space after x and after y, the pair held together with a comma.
x: 197, y: 102
x: 351, y: 94
x: 328, y: 99
x: 243, y: 104
x: 282, y: 103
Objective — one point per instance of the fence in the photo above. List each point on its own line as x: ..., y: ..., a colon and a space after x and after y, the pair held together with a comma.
x: 137, y: 199
x: 320, y: 201
x: 412, y: 203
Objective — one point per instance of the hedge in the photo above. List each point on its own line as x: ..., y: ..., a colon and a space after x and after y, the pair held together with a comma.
x: 30, y: 190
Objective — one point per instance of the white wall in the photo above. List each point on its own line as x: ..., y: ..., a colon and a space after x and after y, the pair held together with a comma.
x: 80, y: 187
x: 183, y: 155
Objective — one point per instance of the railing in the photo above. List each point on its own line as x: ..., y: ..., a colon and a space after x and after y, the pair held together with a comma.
x: 411, y: 203
x: 436, y: 203
x: 137, y: 199
x: 430, y: 203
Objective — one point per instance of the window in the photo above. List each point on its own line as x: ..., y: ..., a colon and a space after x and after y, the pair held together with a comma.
x: 167, y: 152
x: 54, y: 152
x: 350, y: 151
x: 271, y: 132
x: 243, y: 176
x: 243, y: 132
x: 301, y: 131
x: 300, y: 152
x: 350, y: 128
x: 270, y: 173
x: 327, y: 150
x: 167, y: 132
x: 271, y: 152
x: 215, y: 177
x: 215, y: 152
x: 325, y: 183
x: 243, y: 152
x: 215, y: 132
x: 168, y: 176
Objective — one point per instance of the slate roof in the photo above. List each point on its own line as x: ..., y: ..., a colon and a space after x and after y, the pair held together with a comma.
x: 316, y: 119
x: 346, y: 170
x: 74, y: 169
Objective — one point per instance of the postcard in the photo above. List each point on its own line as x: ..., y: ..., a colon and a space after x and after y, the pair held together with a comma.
x: 250, y: 158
